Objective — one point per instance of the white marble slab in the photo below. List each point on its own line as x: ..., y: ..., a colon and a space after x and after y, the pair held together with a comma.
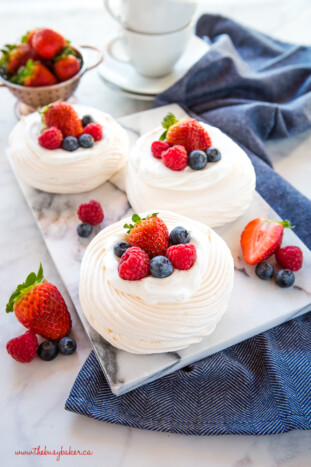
x: 255, y: 305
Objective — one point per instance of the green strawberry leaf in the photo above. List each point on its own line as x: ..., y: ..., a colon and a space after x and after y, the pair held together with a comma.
x: 169, y: 120
x: 136, y: 218
x: 31, y: 280
x: 163, y: 136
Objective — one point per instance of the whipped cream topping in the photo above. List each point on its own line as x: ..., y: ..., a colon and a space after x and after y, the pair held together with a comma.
x: 218, y: 194
x: 156, y: 315
x: 60, y: 171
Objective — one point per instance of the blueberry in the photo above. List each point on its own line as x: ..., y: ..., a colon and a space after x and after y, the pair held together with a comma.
x: 70, y: 143
x: 84, y: 230
x: 120, y: 248
x: 213, y: 155
x: 197, y: 160
x: 285, y: 278
x: 48, y: 350
x: 264, y: 271
x: 67, y: 346
x: 179, y: 235
x: 160, y: 266
x: 86, y: 141
x: 86, y: 119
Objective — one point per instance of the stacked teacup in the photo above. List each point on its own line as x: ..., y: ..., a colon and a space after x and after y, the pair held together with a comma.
x: 154, y: 35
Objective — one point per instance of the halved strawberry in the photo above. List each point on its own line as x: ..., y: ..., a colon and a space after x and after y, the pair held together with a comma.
x: 261, y: 238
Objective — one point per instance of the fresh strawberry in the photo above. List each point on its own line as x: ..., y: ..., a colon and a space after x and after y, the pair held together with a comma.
x: 51, y: 138
x: 134, y: 264
x: 39, y: 306
x: 182, y: 256
x: 175, y: 158
x: 27, y: 38
x: 158, y: 147
x: 48, y: 43
x: 95, y: 130
x: 149, y: 233
x: 66, y: 64
x: 290, y: 257
x: 16, y: 56
x: 23, y: 348
x: 261, y: 238
x: 187, y: 132
x: 64, y: 117
x: 34, y: 74
x: 91, y: 212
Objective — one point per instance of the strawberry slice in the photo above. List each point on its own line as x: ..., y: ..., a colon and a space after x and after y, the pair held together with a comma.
x: 261, y: 238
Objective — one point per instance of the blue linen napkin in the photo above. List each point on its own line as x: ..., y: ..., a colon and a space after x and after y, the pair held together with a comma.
x: 253, y: 88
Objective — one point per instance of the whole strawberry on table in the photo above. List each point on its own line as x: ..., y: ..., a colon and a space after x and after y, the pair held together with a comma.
x: 43, y: 57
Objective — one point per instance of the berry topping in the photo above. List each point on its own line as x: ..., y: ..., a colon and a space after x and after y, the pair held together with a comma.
x: 91, y: 212
x: 86, y: 141
x: 158, y: 147
x: 150, y: 234
x: 47, y: 43
x: 179, y: 235
x: 70, y: 143
x: 213, y: 155
x: 66, y: 64
x: 120, y: 247
x: 182, y: 256
x: 284, y: 278
x: 197, y: 160
x: 261, y: 238
x: 67, y: 346
x: 264, y: 271
x: 134, y: 264
x: 187, y: 132
x: 86, y: 119
x: 48, y: 350
x: 84, y: 230
x: 64, y: 117
x: 39, y: 306
x: 160, y: 267
x: 51, y: 138
x: 175, y: 158
x: 289, y: 257
x: 95, y: 130
x: 23, y: 348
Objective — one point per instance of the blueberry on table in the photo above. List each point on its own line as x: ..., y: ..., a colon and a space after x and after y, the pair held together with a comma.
x: 179, y: 235
x: 264, y: 271
x: 70, y: 143
x: 120, y: 247
x: 86, y: 119
x: 84, y: 230
x: 213, y: 155
x: 197, y: 160
x: 160, y: 267
x: 48, y: 350
x: 86, y: 141
x: 67, y: 346
x: 285, y: 278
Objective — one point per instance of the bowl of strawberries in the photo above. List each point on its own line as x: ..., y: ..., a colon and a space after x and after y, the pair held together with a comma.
x: 43, y: 67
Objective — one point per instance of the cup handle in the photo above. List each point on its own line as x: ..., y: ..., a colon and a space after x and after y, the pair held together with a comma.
x: 110, y: 48
x: 100, y: 56
x: 111, y: 12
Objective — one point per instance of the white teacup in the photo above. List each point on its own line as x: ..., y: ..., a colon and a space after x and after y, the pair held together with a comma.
x: 152, y: 16
x: 152, y: 55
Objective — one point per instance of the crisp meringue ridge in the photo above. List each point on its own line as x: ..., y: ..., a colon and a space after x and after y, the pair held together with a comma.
x: 156, y: 315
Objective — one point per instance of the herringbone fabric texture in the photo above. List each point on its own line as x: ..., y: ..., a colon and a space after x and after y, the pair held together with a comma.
x: 254, y: 88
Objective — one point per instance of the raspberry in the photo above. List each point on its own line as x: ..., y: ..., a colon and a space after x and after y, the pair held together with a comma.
x: 23, y: 348
x: 91, y: 213
x: 182, y: 256
x: 158, y: 147
x: 289, y: 257
x: 175, y: 158
x: 51, y: 138
x: 134, y: 264
x: 95, y: 130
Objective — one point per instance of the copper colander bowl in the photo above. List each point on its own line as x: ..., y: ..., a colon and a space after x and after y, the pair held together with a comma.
x: 38, y: 96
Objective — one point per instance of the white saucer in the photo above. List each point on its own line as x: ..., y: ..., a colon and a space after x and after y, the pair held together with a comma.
x: 125, y: 77
x: 132, y: 95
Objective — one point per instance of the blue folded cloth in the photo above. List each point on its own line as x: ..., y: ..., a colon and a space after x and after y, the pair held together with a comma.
x: 253, y: 88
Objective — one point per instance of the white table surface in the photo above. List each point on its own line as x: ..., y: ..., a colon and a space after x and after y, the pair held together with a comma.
x: 32, y: 396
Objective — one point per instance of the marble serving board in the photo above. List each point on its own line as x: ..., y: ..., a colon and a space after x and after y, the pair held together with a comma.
x: 254, y: 307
